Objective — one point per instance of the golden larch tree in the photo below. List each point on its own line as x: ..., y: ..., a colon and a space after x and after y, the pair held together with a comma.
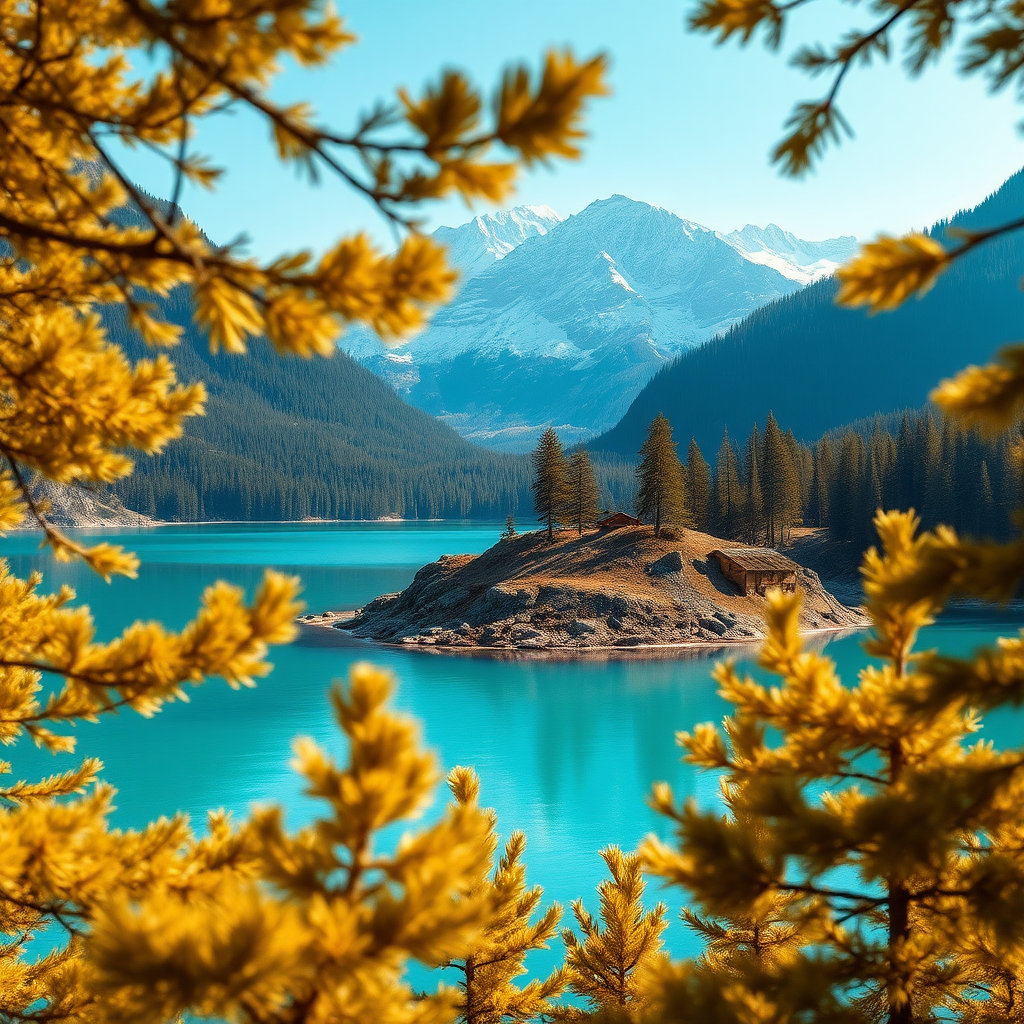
x: 612, y: 964
x: 249, y: 922
x: 487, y: 973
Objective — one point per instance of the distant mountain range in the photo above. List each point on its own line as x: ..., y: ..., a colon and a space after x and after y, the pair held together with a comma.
x: 562, y: 322
x: 793, y: 257
x: 819, y: 367
x: 286, y: 438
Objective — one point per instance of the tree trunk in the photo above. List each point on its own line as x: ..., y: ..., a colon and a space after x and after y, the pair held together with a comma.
x: 899, y: 931
x: 899, y: 900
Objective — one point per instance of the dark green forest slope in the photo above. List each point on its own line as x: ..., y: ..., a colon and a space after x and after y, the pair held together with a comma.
x: 818, y: 366
x: 289, y: 438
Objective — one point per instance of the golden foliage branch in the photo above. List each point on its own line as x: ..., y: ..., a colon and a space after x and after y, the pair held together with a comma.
x: 487, y: 971
x: 828, y: 785
x: 613, y: 964
x: 990, y: 42
x: 70, y: 87
x: 142, y: 669
x: 251, y: 922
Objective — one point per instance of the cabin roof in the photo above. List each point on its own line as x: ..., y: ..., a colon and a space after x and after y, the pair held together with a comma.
x: 622, y: 516
x: 758, y: 559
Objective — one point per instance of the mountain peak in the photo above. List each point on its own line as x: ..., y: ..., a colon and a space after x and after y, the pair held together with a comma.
x: 796, y: 258
x: 475, y: 247
x: 621, y: 203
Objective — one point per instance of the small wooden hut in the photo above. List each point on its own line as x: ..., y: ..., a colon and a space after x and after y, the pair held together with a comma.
x: 617, y: 520
x: 757, y: 570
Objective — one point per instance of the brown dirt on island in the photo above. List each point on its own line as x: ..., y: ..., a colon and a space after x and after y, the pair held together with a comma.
x: 605, y: 589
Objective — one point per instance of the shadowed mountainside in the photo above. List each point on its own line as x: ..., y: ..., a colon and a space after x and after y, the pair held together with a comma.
x: 818, y: 366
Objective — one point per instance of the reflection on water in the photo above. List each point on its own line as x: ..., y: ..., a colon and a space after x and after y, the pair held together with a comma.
x: 567, y: 750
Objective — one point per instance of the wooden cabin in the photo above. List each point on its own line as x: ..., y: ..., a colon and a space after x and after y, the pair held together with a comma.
x: 617, y: 520
x: 757, y: 570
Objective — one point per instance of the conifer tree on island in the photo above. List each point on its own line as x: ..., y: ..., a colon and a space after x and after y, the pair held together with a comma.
x: 698, y: 478
x: 249, y: 923
x: 728, y: 489
x: 662, y: 490
x: 753, y: 505
x: 583, y: 495
x: 550, y: 481
x: 510, y: 532
x: 780, y: 485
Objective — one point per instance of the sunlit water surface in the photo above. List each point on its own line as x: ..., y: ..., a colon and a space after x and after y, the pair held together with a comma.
x: 567, y: 750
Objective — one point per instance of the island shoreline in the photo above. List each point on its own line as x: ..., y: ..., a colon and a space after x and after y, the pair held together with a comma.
x: 561, y: 653
x: 622, y: 593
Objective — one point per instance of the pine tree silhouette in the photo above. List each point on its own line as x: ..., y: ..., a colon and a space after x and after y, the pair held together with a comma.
x: 550, y: 481
x: 662, y: 492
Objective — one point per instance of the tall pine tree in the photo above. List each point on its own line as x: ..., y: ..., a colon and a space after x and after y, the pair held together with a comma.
x: 662, y: 492
x: 753, y: 506
x: 550, y: 481
x: 780, y: 484
x: 698, y: 476
x: 583, y: 502
x: 728, y: 489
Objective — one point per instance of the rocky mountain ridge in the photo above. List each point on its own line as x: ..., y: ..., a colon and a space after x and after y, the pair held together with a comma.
x: 562, y: 322
x: 818, y: 366
x: 78, y: 507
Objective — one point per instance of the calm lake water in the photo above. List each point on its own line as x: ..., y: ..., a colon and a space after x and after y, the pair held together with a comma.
x: 567, y: 751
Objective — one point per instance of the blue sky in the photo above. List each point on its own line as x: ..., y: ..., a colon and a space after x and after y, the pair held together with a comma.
x: 689, y: 127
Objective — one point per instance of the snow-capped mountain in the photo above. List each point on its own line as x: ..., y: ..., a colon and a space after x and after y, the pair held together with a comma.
x: 563, y: 322
x: 792, y: 257
x: 476, y: 246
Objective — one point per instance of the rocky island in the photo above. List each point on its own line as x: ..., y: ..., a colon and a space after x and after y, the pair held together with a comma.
x: 610, y: 589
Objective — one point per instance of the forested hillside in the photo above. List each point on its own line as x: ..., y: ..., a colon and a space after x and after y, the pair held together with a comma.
x: 758, y: 489
x: 818, y: 366
x: 286, y: 438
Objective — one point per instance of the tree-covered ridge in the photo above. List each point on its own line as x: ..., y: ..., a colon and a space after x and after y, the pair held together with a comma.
x: 286, y: 439
x: 820, y: 366
x: 949, y: 473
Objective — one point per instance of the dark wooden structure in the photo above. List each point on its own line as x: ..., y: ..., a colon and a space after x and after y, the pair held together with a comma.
x: 616, y: 520
x: 757, y: 570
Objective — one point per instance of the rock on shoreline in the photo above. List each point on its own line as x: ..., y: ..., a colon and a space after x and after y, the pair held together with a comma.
x: 73, y: 507
x: 616, y: 589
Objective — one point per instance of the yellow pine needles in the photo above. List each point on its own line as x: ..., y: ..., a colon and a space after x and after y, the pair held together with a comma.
x: 249, y: 922
x: 867, y: 866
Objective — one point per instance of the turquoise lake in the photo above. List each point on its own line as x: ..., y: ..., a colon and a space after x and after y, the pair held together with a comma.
x: 566, y: 750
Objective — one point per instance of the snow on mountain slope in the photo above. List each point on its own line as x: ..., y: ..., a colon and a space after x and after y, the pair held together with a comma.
x: 476, y: 246
x: 793, y: 257
x: 620, y: 272
x: 563, y: 322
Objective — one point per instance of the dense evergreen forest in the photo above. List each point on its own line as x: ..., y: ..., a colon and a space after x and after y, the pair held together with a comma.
x: 287, y: 438
x: 758, y: 492
x: 819, y: 366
